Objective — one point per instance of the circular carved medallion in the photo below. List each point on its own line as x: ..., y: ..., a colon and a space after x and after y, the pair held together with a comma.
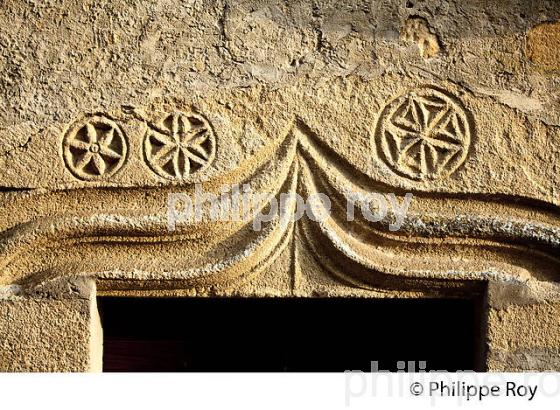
x: 424, y: 134
x: 181, y: 145
x: 94, y: 148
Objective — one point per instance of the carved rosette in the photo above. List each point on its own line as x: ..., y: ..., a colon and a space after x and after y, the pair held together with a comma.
x: 179, y: 146
x: 94, y: 149
x: 424, y: 134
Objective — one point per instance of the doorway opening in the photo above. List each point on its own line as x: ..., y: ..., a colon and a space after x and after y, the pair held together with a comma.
x: 289, y: 334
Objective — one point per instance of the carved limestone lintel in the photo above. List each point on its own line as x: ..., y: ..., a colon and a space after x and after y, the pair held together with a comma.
x: 445, y: 238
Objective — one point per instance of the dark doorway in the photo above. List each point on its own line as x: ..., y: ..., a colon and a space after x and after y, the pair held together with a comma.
x: 296, y: 335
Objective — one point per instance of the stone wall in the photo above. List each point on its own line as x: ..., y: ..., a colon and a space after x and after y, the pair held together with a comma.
x: 54, y: 329
x: 111, y: 111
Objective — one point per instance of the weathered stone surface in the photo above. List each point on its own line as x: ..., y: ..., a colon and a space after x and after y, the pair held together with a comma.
x: 55, y: 329
x: 108, y: 108
x: 416, y: 29
x: 543, y: 46
x: 524, y: 338
x: 525, y: 360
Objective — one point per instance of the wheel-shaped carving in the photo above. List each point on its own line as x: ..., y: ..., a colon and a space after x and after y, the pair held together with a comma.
x: 179, y: 146
x: 94, y: 148
x: 424, y: 134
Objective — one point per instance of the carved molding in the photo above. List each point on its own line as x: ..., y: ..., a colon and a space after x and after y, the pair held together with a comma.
x: 445, y: 238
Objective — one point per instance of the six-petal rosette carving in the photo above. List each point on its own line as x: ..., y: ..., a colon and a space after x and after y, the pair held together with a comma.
x: 180, y: 146
x: 95, y: 148
x: 424, y: 134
